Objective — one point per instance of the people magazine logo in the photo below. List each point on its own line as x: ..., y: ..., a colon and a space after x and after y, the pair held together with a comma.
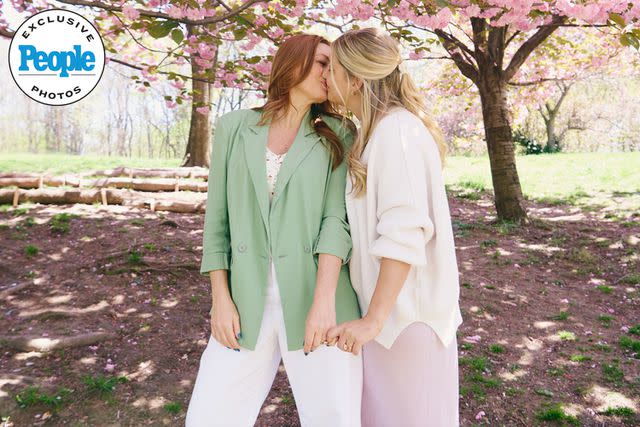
x: 56, y: 57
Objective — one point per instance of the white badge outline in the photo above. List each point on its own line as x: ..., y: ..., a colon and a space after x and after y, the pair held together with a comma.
x: 104, y: 56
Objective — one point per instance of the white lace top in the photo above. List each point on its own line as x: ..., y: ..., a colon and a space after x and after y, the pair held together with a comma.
x: 274, y: 161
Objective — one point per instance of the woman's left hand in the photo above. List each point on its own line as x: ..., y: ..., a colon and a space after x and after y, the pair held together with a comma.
x: 321, y: 317
x: 351, y: 336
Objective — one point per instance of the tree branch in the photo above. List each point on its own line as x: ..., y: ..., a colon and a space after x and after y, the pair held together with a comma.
x: 153, y: 14
x: 452, y: 39
x: 6, y: 33
x: 496, y: 45
x: 510, y: 39
x: 529, y: 46
x: 535, y: 82
x: 137, y: 67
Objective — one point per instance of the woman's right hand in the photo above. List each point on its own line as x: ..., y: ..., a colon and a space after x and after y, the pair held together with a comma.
x: 225, y: 321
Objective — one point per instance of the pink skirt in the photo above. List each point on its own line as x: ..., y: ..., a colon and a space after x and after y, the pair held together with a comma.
x: 413, y: 384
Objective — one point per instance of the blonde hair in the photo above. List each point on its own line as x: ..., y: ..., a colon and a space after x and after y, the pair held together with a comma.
x: 373, y: 56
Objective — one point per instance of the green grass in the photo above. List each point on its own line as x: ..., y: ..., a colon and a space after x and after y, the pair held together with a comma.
x: 32, y: 396
x: 582, y: 256
x: 604, y: 289
x: 579, y: 358
x: 563, y: 315
x: 556, y: 371
x: 566, y: 336
x: 617, y: 172
x: 496, y: 348
x: 173, y: 407
x: 556, y: 413
x: 31, y: 250
x: 59, y: 223
x: 605, y: 320
x: 632, y: 279
x: 488, y: 243
x: 602, y: 347
x: 103, y: 385
x: 631, y: 344
x: 479, y: 378
x: 619, y: 411
x: 63, y: 163
x: 28, y: 222
x: 479, y: 364
x: 612, y: 373
x: 134, y: 257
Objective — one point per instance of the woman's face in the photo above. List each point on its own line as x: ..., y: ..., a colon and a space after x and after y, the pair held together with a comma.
x: 314, y: 86
x: 337, y: 82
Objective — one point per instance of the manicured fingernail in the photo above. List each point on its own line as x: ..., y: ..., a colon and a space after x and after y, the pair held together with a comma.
x: 239, y: 335
x: 306, y: 354
x: 229, y: 348
x: 236, y: 349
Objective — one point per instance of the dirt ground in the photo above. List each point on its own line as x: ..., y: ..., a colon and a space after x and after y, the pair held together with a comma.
x: 550, y: 333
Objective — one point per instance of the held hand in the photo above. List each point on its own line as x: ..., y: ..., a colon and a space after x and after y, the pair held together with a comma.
x: 225, y: 322
x: 321, y: 317
x: 351, y: 336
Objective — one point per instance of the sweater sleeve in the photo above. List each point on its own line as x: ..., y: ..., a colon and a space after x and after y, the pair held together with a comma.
x: 399, y: 176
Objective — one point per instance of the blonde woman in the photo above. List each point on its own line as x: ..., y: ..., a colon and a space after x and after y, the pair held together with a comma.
x: 403, y: 265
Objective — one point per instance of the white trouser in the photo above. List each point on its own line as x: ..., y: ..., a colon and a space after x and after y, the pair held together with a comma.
x: 231, y: 386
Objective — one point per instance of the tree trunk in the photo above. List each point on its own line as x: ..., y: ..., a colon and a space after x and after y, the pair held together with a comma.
x: 197, y: 152
x: 506, y: 184
x: 550, y: 124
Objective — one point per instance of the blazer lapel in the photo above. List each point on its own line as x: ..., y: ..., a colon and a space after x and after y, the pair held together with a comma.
x: 303, y: 143
x: 254, y: 151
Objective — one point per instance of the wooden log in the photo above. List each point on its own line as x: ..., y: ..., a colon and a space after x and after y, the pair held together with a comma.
x: 111, y: 196
x: 157, y: 184
x: 183, y: 172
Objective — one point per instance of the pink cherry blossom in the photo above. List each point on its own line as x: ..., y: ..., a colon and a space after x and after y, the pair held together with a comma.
x: 130, y: 12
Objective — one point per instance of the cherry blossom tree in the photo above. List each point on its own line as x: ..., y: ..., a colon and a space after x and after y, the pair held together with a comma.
x: 489, y: 41
x: 544, y: 82
x: 223, y: 45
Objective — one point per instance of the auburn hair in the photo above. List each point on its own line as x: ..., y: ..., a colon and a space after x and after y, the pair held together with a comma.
x: 292, y: 64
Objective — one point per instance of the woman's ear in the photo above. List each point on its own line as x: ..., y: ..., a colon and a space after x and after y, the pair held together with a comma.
x: 356, y: 84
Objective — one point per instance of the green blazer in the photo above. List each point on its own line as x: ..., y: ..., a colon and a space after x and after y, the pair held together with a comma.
x: 306, y: 217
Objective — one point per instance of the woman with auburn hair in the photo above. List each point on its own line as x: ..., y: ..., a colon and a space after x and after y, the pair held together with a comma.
x: 403, y: 266
x: 275, y: 246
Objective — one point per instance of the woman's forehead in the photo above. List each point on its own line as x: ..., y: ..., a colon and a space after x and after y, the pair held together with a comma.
x: 323, y: 50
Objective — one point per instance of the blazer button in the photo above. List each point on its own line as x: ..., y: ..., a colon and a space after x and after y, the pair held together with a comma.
x: 307, y: 248
x: 242, y: 247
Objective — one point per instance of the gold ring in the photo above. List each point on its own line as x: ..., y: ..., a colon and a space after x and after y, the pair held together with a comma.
x: 345, y: 347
